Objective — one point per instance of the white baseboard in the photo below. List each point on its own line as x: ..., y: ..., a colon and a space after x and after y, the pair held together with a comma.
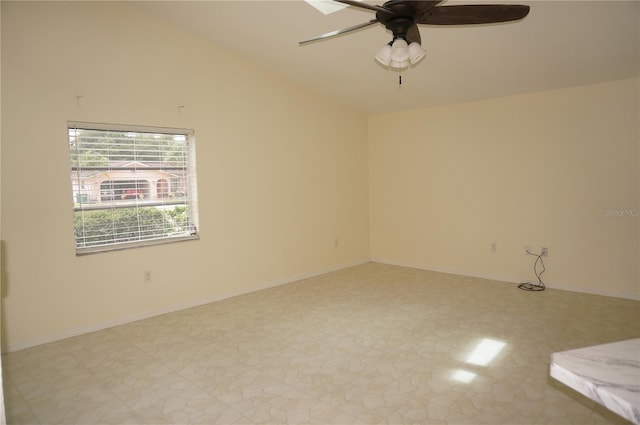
x: 511, y: 279
x: 21, y: 345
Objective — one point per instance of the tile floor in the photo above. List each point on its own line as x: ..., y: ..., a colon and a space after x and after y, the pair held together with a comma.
x: 366, y: 345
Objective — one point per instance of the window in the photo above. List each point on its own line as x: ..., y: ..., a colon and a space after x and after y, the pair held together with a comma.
x: 132, y: 186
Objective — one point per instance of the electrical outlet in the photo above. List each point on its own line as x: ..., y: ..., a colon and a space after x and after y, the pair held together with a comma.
x: 544, y: 251
x: 147, y: 276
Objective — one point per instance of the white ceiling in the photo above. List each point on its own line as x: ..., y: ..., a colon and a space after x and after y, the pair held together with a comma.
x: 560, y: 44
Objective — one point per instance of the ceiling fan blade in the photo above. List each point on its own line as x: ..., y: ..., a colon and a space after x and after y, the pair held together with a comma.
x: 413, y: 34
x: 338, y: 32
x: 421, y: 6
x: 472, y: 14
x: 363, y: 5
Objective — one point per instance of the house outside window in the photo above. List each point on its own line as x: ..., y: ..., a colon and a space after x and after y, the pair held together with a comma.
x: 131, y: 185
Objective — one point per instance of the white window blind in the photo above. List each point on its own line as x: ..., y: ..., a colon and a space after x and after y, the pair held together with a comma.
x: 132, y: 186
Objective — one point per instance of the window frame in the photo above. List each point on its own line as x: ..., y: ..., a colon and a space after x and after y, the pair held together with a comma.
x: 188, y: 198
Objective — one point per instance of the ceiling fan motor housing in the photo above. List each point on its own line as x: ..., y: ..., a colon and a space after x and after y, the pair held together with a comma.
x: 399, y: 19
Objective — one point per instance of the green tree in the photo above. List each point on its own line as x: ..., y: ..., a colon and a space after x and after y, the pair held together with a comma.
x: 120, y: 225
x: 86, y: 146
x: 89, y: 158
x: 179, y: 216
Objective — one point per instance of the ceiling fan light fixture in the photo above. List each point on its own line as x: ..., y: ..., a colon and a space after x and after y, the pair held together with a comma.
x: 416, y: 53
x: 384, y: 55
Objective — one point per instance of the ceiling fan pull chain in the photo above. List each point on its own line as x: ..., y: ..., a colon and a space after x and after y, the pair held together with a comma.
x: 399, y: 81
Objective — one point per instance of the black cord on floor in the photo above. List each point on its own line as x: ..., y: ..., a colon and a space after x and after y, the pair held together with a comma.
x: 528, y: 286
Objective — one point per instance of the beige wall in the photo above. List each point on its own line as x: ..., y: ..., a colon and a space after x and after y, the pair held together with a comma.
x: 282, y: 171
x: 550, y: 169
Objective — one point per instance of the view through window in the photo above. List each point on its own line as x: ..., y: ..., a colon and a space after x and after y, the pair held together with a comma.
x: 131, y: 185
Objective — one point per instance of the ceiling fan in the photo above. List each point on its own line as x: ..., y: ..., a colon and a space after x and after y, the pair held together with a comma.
x: 402, y: 17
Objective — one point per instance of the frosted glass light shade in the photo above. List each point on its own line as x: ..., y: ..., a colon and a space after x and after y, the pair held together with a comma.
x: 384, y: 55
x: 399, y: 50
x: 416, y: 53
x: 399, y: 64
